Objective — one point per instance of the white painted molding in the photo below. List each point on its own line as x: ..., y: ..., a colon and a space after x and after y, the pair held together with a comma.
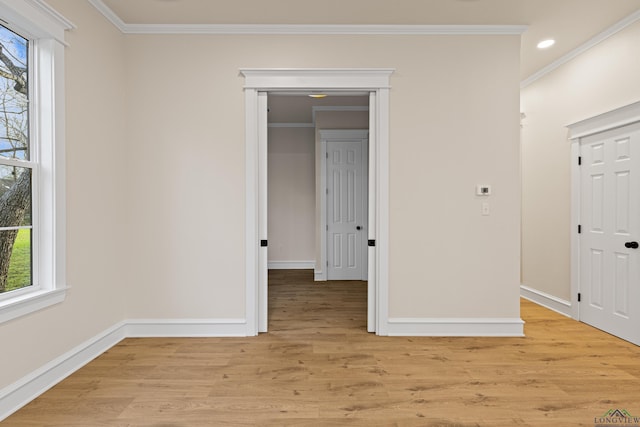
x: 30, y: 302
x: 599, y: 38
x: 187, y: 328
x: 546, y: 300
x: 319, y: 276
x: 292, y: 265
x: 268, y: 79
x: 613, y: 119
x: 456, y: 327
x: 36, y: 15
x: 23, y: 391
x: 303, y: 29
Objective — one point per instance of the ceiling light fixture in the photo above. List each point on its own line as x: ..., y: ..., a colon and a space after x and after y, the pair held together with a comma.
x: 544, y: 44
x: 317, y: 95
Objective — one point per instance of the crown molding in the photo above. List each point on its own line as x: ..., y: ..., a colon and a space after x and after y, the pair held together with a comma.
x: 614, y: 29
x: 294, y: 29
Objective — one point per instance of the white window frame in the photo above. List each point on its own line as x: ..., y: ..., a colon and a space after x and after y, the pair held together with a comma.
x: 45, y: 29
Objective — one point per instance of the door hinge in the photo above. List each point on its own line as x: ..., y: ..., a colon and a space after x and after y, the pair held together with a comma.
x: 326, y: 191
x: 327, y: 227
x: 579, y: 229
x: 327, y: 154
x: 579, y: 160
x: 579, y: 296
x: 263, y: 243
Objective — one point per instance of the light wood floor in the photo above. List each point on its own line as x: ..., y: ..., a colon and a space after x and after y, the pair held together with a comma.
x: 319, y: 367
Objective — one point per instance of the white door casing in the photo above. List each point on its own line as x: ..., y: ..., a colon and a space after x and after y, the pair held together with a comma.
x: 374, y: 81
x: 344, y: 214
x: 606, y: 266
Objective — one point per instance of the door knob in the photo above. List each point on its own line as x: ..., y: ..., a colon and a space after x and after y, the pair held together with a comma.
x: 631, y: 245
x: 360, y: 228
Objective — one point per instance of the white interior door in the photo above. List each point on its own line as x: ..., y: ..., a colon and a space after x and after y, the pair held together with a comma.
x: 610, y: 230
x: 346, y: 210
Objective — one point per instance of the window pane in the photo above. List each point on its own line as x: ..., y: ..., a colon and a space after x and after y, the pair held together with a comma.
x: 15, y: 259
x: 14, y: 95
x: 15, y: 196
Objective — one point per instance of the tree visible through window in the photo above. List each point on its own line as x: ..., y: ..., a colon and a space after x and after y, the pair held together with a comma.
x: 16, y: 164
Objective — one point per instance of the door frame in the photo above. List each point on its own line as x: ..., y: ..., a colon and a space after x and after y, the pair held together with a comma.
x: 374, y: 81
x: 340, y: 135
x: 624, y: 116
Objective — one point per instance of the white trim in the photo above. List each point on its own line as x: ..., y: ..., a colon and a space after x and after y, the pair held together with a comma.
x: 613, y: 119
x: 614, y: 29
x: 23, y: 391
x: 292, y: 265
x: 456, y: 327
x: 304, y: 29
x: 308, y: 29
x: 546, y: 300
x: 269, y: 79
x: 185, y: 328
x: 36, y: 18
x: 367, y: 79
x: 28, y: 302
x: 574, y: 222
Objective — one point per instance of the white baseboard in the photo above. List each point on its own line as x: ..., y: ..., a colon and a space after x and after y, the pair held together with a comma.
x: 291, y: 265
x: 548, y: 301
x: 23, y: 391
x: 453, y: 327
x: 187, y: 328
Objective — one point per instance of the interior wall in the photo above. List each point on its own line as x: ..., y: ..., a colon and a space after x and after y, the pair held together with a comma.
x: 331, y: 120
x: 97, y: 236
x: 601, y: 79
x: 186, y: 192
x: 291, y: 194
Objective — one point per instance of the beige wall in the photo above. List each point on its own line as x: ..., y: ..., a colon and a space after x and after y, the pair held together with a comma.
x: 602, y: 79
x: 291, y: 210
x: 97, y: 237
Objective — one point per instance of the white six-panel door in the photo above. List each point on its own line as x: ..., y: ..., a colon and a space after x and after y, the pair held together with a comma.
x: 346, y: 211
x: 610, y: 224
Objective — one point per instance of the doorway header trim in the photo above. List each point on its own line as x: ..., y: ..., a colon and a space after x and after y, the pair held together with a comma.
x: 317, y: 78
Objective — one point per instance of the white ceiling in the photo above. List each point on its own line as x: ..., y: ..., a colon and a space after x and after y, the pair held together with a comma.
x: 570, y: 22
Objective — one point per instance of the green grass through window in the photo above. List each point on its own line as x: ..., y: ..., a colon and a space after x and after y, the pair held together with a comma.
x: 20, y: 264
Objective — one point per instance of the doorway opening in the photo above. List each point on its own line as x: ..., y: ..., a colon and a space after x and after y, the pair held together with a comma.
x: 258, y: 85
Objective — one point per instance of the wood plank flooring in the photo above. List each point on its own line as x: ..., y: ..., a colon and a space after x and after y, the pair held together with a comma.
x: 319, y: 367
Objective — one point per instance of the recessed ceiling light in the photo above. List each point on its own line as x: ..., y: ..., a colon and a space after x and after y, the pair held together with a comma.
x: 318, y: 95
x: 546, y: 43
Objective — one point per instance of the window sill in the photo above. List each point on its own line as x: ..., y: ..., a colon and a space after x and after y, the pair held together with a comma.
x: 30, y: 302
